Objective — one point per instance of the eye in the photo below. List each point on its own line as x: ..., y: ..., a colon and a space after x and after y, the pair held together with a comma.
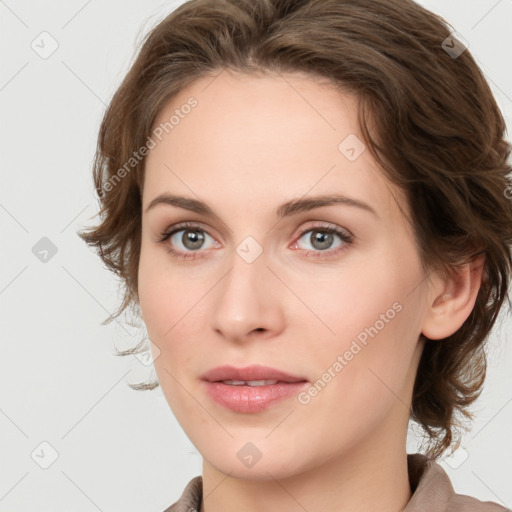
x: 322, y: 238
x: 187, y: 239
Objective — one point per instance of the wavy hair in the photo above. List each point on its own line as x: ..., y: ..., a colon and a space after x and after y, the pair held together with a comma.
x: 436, y: 130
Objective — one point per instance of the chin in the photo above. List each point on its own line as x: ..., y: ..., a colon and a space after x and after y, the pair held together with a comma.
x: 258, y: 460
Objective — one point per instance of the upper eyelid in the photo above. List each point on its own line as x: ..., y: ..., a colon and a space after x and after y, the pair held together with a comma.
x: 326, y: 226
x: 345, y: 235
x: 322, y: 225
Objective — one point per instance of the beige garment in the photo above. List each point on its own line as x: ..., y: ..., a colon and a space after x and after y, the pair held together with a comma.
x: 430, y: 485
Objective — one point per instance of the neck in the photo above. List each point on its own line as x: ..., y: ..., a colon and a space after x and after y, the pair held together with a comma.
x: 370, y: 476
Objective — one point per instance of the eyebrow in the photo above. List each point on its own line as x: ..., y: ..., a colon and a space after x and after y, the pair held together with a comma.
x: 289, y: 208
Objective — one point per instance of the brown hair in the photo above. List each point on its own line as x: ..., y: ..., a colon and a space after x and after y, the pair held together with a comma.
x: 438, y: 134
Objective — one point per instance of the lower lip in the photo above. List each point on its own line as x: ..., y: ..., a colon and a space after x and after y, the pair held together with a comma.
x: 252, y: 398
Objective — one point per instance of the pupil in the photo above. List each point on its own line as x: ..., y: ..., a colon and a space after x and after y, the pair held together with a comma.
x: 325, y: 239
x: 192, y: 239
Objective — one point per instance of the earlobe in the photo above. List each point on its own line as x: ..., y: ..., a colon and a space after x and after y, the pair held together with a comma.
x: 453, y: 300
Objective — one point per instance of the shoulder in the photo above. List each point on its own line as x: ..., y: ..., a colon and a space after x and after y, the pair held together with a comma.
x: 431, y: 488
x: 190, y: 499
x: 461, y: 502
x: 433, y: 492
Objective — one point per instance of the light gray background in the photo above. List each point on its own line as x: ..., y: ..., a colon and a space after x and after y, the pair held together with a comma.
x: 119, y: 449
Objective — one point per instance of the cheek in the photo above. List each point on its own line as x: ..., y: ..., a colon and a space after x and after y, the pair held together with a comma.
x: 173, y: 310
x: 167, y: 308
x: 349, y: 300
x: 373, y: 313
x: 163, y: 298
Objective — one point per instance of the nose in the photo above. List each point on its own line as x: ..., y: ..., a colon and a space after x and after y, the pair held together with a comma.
x: 247, y: 303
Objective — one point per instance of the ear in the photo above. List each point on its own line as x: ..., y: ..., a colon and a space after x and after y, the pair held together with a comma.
x: 452, y: 299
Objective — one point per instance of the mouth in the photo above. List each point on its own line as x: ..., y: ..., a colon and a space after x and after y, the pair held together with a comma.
x: 252, y: 383
x: 251, y: 389
x: 254, y: 375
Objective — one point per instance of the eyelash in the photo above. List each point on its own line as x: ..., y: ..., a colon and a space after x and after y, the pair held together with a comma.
x: 345, y: 237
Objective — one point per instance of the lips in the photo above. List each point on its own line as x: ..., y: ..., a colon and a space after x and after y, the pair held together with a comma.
x: 252, y: 389
x: 249, y: 373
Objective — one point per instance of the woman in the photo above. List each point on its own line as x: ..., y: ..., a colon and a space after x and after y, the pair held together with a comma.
x: 308, y: 203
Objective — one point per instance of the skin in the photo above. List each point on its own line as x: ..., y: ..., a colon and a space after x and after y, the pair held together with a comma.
x: 252, y: 143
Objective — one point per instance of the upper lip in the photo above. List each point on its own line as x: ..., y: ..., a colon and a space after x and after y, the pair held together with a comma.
x: 253, y: 372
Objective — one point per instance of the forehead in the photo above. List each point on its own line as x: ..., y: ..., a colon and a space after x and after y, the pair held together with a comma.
x: 263, y: 138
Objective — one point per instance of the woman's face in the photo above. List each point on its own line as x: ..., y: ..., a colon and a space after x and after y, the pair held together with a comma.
x: 331, y: 293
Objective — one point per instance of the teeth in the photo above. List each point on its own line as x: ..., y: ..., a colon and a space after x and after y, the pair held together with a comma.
x: 249, y: 382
